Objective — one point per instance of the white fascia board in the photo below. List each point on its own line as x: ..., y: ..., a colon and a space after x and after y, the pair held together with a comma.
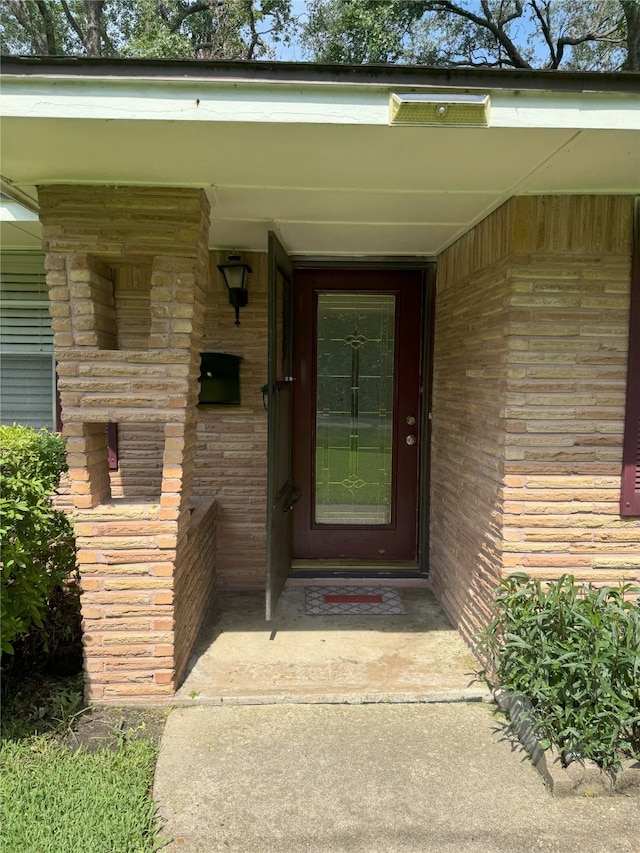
x: 197, y: 101
x: 594, y: 111
x: 313, y: 103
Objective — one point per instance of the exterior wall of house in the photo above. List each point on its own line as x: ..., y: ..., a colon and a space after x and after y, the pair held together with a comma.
x: 147, y: 562
x: 468, y: 437
x: 528, y: 402
x: 232, y: 440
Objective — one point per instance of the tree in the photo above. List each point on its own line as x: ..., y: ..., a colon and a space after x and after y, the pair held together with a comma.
x: 55, y: 28
x: 211, y: 29
x: 556, y: 34
x: 631, y: 10
x: 581, y: 34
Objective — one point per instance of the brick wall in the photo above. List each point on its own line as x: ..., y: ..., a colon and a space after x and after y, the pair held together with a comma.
x: 467, y: 444
x: 528, y: 401
x: 232, y: 440
x: 127, y: 601
x: 528, y: 397
x: 564, y: 408
x: 140, y: 445
x: 127, y: 270
x: 195, y: 583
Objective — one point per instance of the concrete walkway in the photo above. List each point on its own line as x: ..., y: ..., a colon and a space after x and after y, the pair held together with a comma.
x: 368, y: 779
x: 271, y: 755
x: 239, y: 658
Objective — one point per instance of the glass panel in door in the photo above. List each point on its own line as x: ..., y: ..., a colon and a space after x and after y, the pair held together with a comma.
x: 354, y: 408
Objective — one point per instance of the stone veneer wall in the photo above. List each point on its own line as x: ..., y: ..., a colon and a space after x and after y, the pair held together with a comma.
x: 530, y: 353
x: 467, y: 439
x: 528, y: 399
x: 146, y: 567
x: 232, y: 440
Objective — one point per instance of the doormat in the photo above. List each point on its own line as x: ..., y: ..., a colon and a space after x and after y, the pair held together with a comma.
x: 353, y: 600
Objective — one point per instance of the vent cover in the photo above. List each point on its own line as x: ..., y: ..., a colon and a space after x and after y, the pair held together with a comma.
x: 430, y: 109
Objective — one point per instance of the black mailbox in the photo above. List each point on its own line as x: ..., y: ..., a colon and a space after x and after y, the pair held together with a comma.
x: 219, y: 379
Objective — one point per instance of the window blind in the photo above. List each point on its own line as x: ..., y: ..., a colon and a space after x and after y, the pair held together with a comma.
x: 27, y: 370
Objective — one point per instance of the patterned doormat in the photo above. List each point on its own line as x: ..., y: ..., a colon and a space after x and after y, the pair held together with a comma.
x: 353, y: 600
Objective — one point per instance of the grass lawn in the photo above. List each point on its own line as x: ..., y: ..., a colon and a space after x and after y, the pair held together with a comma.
x: 74, y: 782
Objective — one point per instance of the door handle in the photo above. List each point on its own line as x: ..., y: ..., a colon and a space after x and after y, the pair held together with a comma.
x: 411, y: 440
x: 295, y: 497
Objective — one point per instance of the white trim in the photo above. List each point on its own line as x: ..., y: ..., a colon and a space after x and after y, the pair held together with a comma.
x: 32, y: 97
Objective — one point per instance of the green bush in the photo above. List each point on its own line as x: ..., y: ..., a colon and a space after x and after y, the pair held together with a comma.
x: 38, y: 547
x: 572, y: 651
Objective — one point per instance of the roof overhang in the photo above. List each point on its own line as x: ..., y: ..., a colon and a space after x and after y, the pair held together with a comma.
x: 310, y: 150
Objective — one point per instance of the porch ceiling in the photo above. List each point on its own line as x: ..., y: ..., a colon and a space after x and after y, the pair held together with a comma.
x: 351, y: 188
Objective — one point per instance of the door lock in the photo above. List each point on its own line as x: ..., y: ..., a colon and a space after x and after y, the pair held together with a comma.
x: 295, y: 497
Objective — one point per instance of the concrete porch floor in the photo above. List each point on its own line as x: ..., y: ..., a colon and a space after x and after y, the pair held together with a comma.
x: 239, y: 658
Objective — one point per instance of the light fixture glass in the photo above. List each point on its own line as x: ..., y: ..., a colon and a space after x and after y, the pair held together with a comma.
x: 468, y: 110
x: 235, y: 273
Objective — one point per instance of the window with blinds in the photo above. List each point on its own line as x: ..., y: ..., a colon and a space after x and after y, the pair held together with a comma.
x: 27, y: 370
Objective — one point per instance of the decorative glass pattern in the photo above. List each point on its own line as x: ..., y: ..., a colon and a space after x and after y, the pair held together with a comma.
x: 354, y: 408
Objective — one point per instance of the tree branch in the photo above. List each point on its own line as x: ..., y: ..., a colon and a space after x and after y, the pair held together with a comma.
x: 255, y: 38
x: 93, y: 11
x: 191, y: 9
x: 631, y: 11
x: 21, y: 13
x: 49, y: 29
x: 497, y: 30
x: 502, y: 21
x: 546, y: 31
x: 568, y: 42
x: 73, y: 23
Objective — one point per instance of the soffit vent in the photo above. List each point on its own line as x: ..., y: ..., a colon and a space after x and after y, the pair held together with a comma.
x: 456, y: 110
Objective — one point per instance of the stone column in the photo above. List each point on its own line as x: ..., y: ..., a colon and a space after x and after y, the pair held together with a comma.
x: 129, y: 548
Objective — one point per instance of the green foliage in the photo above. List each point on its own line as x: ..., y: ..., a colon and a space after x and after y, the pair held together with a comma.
x: 584, y: 34
x: 153, y: 29
x: 38, y: 547
x: 39, y: 705
x: 55, y: 799
x: 574, y: 652
x: 357, y: 31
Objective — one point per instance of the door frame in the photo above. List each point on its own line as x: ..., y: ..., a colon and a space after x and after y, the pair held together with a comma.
x: 427, y: 266
x: 280, y: 498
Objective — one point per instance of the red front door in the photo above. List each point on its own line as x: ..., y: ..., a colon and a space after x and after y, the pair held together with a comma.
x: 356, y: 413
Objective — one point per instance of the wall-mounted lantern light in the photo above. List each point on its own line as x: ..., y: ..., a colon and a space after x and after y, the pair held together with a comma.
x: 235, y: 274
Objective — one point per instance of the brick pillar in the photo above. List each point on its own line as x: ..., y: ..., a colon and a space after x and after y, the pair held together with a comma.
x: 88, y: 468
x: 129, y: 550
x: 530, y: 352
